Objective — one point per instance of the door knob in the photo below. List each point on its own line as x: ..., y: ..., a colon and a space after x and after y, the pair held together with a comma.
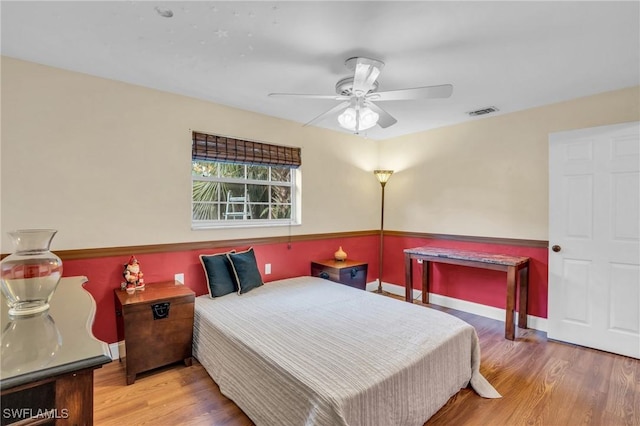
x: 556, y: 248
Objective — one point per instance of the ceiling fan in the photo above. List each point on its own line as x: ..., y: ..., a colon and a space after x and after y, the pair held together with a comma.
x: 358, y: 93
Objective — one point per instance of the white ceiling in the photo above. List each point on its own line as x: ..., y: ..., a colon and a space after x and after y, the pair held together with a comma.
x: 511, y: 55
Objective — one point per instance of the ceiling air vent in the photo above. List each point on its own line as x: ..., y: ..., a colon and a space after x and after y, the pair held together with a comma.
x: 483, y: 111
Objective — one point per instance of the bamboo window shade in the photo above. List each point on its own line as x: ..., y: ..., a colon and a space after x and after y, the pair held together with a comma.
x: 230, y: 150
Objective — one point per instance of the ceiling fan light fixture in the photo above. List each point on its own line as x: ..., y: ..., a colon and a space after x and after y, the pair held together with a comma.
x: 366, y: 120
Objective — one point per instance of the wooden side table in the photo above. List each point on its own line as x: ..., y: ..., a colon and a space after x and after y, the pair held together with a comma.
x: 156, y: 325
x: 514, y: 266
x: 349, y: 272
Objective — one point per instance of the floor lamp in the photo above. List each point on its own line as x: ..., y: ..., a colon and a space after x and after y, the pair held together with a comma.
x: 383, y: 176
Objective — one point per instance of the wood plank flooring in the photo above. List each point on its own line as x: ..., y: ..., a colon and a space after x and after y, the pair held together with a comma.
x: 542, y: 383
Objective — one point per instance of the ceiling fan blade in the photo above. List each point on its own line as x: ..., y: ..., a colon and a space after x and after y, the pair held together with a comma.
x: 365, y: 74
x: 333, y: 110
x: 427, y: 92
x: 308, y: 96
x: 385, y: 119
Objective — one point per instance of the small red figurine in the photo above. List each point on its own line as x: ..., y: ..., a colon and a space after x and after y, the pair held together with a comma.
x: 133, y: 275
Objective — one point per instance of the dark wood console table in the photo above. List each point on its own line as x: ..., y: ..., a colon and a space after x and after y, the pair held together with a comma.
x: 512, y: 265
x: 48, y: 359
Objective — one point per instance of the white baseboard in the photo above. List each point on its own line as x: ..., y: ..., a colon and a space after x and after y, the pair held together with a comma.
x: 533, y: 322
x: 116, y: 349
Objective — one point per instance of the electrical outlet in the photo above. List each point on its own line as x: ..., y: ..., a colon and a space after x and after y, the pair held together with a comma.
x: 179, y: 278
x: 267, y: 268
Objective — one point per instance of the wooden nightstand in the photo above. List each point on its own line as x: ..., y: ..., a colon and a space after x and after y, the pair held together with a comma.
x: 156, y: 325
x: 348, y: 272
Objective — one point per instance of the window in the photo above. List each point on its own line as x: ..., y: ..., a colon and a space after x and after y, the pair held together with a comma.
x: 243, y: 183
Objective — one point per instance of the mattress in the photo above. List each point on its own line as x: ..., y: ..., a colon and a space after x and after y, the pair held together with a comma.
x: 307, y: 351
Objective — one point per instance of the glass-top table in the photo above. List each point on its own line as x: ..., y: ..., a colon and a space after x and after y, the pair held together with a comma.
x: 41, y: 349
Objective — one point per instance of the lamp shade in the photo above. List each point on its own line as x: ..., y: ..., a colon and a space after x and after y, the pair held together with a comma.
x: 348, y: 119
x: 364, y: 118
x: 383, y: 175
x: 368, y: 118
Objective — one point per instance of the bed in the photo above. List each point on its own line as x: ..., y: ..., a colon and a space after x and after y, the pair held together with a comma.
x: 307, y: 351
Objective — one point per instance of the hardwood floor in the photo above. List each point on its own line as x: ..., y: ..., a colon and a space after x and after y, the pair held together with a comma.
x: 542, y: 383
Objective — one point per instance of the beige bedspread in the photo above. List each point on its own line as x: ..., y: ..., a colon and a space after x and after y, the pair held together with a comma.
x: 306, y: 351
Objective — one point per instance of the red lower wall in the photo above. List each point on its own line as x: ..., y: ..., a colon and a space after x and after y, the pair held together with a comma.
x: 289, y: 260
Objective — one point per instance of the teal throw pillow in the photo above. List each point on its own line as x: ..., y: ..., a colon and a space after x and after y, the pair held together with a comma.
x: 245, y: 270
x: 218, y: 272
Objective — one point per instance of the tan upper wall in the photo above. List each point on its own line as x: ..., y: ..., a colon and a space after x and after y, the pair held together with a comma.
x: 108, y: 163
x: 488, y: 177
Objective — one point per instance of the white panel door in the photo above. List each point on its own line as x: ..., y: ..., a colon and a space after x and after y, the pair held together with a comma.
x: 594, y: 234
